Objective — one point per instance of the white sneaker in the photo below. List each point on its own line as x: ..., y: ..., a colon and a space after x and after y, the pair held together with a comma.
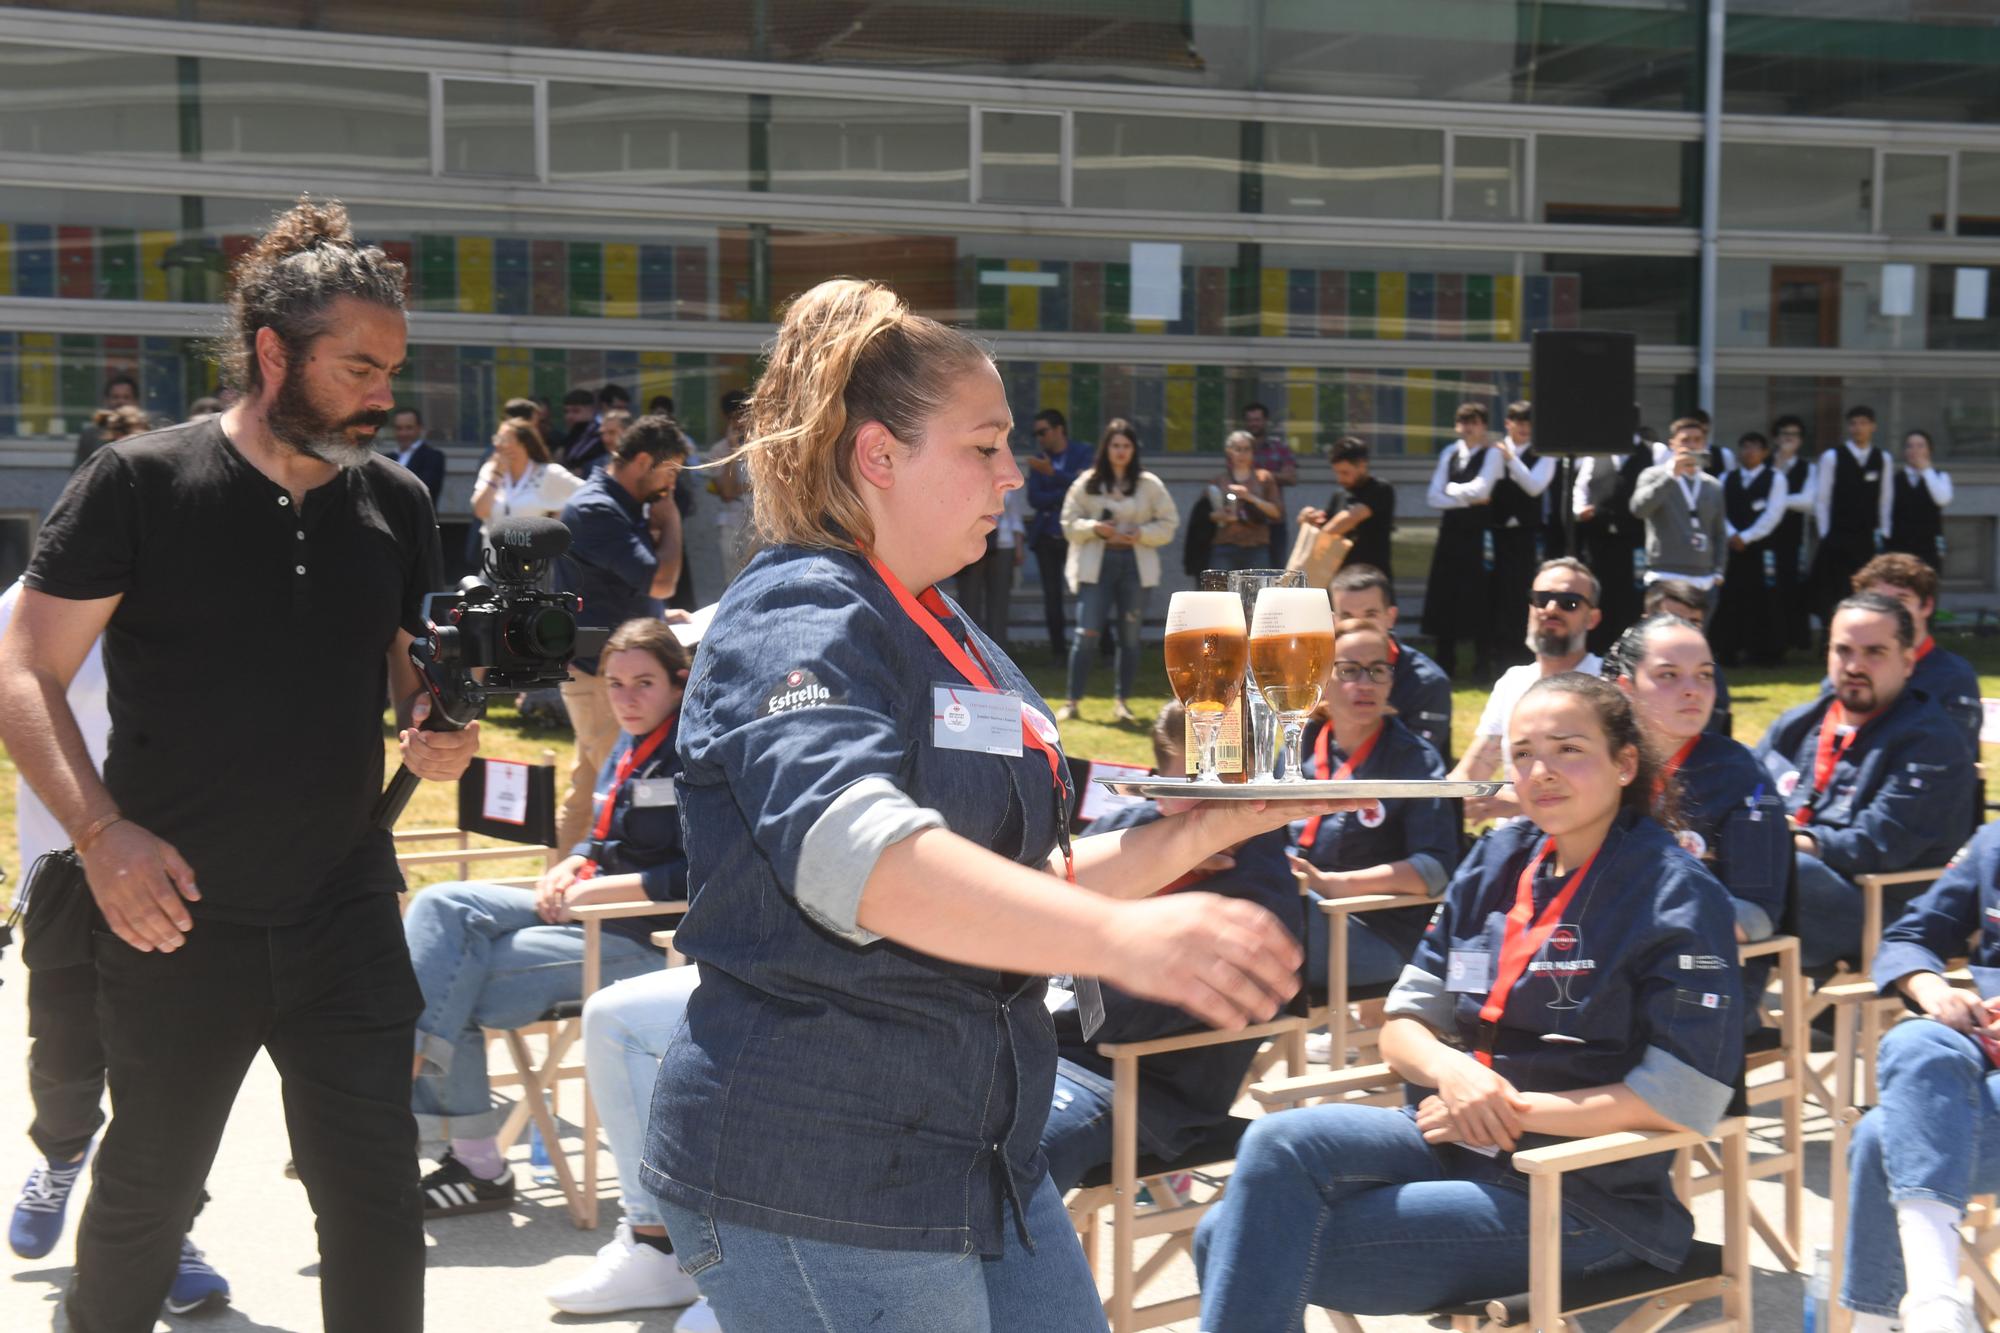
x: 626, y: 1276
x: 698, y: 1318
x: 1937, y: 1314
x: 1319, y: 1048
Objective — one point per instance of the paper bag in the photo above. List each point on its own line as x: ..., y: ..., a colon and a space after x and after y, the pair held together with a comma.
x: 1319, y: 553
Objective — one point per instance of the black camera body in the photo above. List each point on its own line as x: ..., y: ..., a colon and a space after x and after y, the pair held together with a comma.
x: 497, y: 634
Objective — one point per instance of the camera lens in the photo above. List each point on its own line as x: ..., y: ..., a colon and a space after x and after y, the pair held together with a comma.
x: 544, y: 632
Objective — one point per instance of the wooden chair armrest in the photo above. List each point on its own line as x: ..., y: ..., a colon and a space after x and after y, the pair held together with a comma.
x: 1374, y: 902
x: 613, y: 911
x: 663, y: 939
x: 1848, y: 992
x: 1771, y: 944
x: 513, y: 851
x: 1188, y: 1041
x: 1575, y: 1154
x: 1334, y: 1083
x: 1885, y: 879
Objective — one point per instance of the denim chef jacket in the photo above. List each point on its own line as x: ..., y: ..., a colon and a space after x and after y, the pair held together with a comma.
x: 1182, y: 1094
x: 1963, y: 904
x: 1656, y: 1009
x: 1729, y: 804
x: 1900, y: 794
x: 1423, y: 830
x: 1420, y: 693
x: 828, y: 1083
x: 644, y: 837
x: 1951, y: 684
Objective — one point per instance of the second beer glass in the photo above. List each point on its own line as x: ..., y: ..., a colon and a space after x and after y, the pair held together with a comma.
x: 1291, y: 646
x: 1206, y: 651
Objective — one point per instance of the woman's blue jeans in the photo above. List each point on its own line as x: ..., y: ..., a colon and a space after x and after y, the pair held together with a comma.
x: 1118, y: 594
x: 1346, y: 1207
x: 1934, y: 1135
x: 626, y: 1029
x: 484, y: 959
x: 762, y: 1282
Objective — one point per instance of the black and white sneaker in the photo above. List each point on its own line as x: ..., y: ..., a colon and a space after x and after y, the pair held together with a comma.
x: 452, y: 1189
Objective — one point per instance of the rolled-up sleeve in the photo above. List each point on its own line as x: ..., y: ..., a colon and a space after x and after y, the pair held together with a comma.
x: 841, y: 849
x: 1690, y: 999
x: 1678, y: 1091
x: 1420, y: 992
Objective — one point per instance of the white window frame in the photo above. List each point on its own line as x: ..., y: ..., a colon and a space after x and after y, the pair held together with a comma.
x: 1527, y: 141
x: 539, y: 89
x: 976, y: 143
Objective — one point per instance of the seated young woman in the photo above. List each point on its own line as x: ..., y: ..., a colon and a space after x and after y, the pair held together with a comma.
x: 489, y: 956
x: 1565, y: 988
x: 1184, y: 1094
x: 1933, y: 1139
x: 1723, y: 812
x: 1402, y: 846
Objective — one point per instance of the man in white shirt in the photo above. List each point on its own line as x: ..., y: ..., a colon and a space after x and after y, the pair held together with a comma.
x: 1750, y: 614
x: 1852, y: 509
x: 1562, y: 610
x: 1917, y: 503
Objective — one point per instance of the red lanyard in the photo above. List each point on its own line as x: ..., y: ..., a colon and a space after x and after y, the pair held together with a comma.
x: 1673, y: 766
x: 1321, y: 756
x: 1832, y: 745
x: 1523, y: 941
x: 1924, y: 649
x: 1395, y: 651
x: 630, y: 764
x: 924, y: 612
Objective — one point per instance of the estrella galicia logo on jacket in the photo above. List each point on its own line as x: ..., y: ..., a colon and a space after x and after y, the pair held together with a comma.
x: 799, y: 689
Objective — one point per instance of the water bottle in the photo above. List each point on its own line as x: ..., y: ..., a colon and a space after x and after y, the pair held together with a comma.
x: 539, y: 1165
x: 1818, y: 1287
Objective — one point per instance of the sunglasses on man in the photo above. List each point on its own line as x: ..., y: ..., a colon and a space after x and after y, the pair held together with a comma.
x: 1541, y: 598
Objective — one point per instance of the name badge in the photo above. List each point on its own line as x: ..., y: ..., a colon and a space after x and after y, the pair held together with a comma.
x: 1697, y: 541
x: 1871, y: 476
x: 1469, y: 971
x: 1757, y: 506
x: 653, y: 794
x: 963, y: 718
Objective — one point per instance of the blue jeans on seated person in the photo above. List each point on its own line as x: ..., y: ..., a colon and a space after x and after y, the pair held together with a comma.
x: 1077, y: 1137
x: 1829, y: 914
x: 484, y: 959
x: 762, y: 1282
x: 1935, y: 1135
x: 1117, y: 599
x: 1371, y: 960
x: 1346, y: 1207
x: 626, y: 1029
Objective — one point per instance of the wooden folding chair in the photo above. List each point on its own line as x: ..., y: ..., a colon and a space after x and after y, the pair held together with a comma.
x: 1877, y: 1016
x: 1167, y: 1214
x: 1341, y: 996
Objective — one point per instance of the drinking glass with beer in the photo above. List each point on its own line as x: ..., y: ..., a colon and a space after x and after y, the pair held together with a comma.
x: 1291, y: 644
x: 1206, y: 652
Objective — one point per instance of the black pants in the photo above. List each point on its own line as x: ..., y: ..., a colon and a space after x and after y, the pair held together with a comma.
x: 334, y: 1001
x: 1050, y: 553
x: 65, y: 1061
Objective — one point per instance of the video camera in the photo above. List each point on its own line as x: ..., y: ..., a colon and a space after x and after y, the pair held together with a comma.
x: 499, y: 634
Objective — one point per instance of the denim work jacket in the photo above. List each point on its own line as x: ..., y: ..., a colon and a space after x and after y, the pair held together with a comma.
x: 1731, y: 818
x: 828, y: 1083
x: 1901, y: 792
x: 1637, y: 985
x: 1963, y: 904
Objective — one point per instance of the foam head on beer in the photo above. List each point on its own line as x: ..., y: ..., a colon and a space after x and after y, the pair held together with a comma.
x: 1206, y: 649
x: 1291, y: 646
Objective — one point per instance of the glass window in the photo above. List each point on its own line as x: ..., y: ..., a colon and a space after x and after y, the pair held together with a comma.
x: 1913, y: 193
x: 1621, y: 182
x: 1650, y: 296
x: 1352, y: 171
x: 1979, y: 194
x: 1486, y: 178
x: 1020, y: 157
x: 901, y: 150
x: 1766, y: 303
x: 489, y: 128
x: 635, y: 135
x: 315, y: 115
x: 76, y: 103
x: 1872, y: 59
x: 1797, y: 187
x: 1163, y: 163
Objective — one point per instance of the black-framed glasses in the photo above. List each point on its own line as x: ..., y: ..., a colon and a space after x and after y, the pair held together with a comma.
x: 1541, y: 598
x: 1349, y: 672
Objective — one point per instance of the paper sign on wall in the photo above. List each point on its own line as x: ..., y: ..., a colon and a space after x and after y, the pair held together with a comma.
x: 1899, y: 289
x: 1968, y: 296
x: 1156, y: 280
x: 506, y: 796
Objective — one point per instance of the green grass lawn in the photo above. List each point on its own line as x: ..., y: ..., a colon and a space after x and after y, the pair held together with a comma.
x: 1758, y: 696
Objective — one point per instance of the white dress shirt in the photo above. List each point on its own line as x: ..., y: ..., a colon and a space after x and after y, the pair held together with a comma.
x: 1771, y: 513
x: 1445, y: 493
x: 1829, y: 467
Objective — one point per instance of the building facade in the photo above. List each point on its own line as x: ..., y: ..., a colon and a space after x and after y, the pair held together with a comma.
x: 1356, y: 213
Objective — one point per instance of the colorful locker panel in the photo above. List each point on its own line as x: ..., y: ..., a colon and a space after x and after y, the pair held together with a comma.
x: 1422, y: 324
x: 1086, y: 296
x: 437, y: 273
x: 656, y: 281
x: 621, y: 281
x: 513, y: 277
x: 34, y: 261
x: 1450, y: 307
x: 76, y: 263
x: 1332, y: 321
x: 691, y: 284
x: 475, y: 275
x: 586, y: 279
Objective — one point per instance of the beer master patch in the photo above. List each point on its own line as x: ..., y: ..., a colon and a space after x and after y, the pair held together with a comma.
x: 800, y: 688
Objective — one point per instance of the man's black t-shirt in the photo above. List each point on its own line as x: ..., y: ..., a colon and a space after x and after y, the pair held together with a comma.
x: 1371, y: 538
x: 248, y: 658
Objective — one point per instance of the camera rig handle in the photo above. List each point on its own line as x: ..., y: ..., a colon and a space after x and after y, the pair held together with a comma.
x: 456, y: 702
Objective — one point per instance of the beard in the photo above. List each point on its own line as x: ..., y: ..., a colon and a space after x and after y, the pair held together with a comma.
x: 1858, y: 696
x: 1554, y: 643
x: 298, y: 422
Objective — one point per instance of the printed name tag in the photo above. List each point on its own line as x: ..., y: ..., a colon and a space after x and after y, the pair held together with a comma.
x: 963, y: 718
x: 1469, y: 971
x: 653, y: 794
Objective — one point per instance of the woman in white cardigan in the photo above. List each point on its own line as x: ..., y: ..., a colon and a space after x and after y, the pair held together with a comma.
x: 1116, y: 517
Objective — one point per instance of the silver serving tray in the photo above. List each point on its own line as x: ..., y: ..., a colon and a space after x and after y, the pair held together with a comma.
x: 1312, y: 790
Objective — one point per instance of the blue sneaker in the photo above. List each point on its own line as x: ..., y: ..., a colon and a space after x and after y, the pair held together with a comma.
x: 38, y: 1217
x: 196, y: 1285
